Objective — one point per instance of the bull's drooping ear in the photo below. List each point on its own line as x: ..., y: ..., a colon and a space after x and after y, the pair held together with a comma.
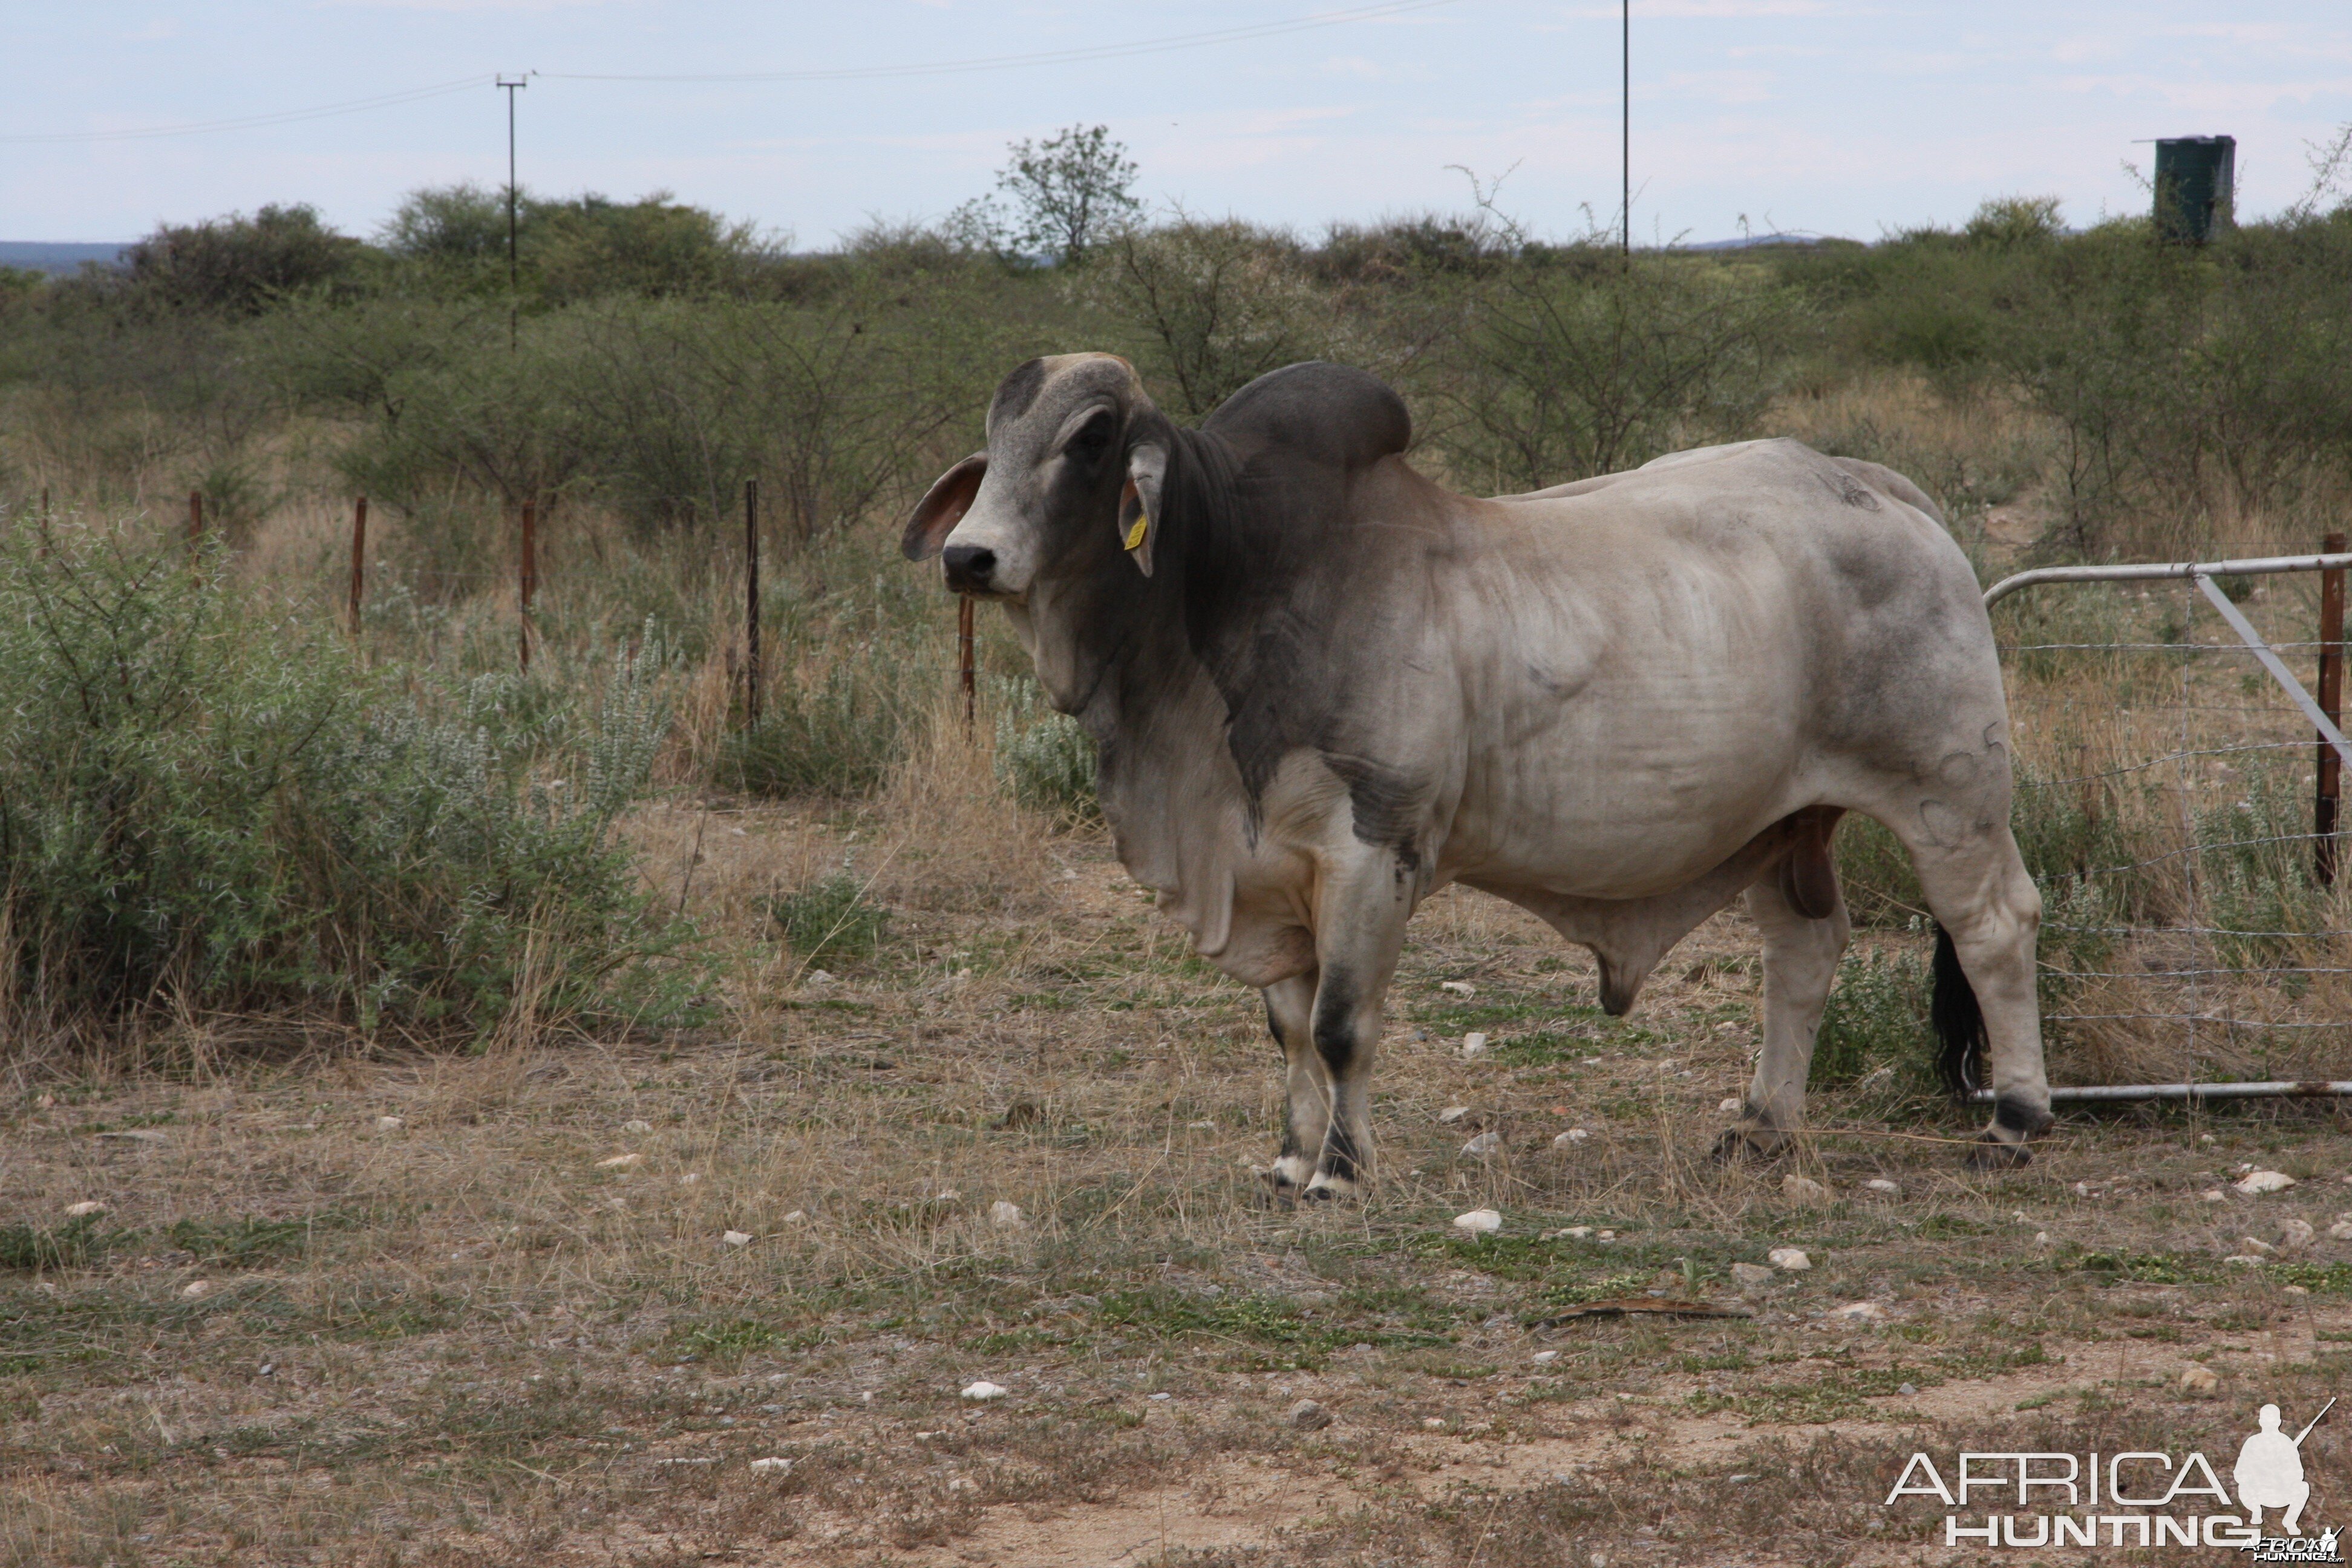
x: 1138, y: 501
x: 942, y: 507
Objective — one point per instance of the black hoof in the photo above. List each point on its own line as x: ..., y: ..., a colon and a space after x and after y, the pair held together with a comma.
x: 1989, y: 1155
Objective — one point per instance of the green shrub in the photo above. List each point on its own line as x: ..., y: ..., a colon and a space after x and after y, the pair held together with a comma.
x: 210, y: 805
x: 1045, y: 760
x: 831, y: 919
x: 1876, y: 1017
x: 837, y: 735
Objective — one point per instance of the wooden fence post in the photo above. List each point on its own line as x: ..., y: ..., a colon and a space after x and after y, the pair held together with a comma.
x: 358, y: 559
x: 964, y: 673
x: 530, y: 572
x: 196, y: 520
x: 2331, y: 702
x: 751, y: 601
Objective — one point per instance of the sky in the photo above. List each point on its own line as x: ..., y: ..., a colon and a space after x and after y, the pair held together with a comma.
x: 1838, y: 117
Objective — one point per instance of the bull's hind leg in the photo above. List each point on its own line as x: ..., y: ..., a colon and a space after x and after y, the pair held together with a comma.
x: 1307, y: 1114
x: 1979, y: 891
x: 1803, y: 917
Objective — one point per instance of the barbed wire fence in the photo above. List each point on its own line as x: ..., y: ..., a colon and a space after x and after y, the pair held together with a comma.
x: 2179, y: 787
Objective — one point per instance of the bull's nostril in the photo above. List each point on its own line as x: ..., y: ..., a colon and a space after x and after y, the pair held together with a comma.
x: 969, y: 566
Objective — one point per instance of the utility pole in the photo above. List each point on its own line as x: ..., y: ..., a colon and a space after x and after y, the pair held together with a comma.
x: 1625, y: 131
x: 514, y: 270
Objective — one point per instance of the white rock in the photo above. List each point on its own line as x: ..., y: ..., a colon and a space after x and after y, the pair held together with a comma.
x: 1473, y: 1045
x: 1861, y: 1312
x: 1571, y: 1138
x: 736, y: 1237
x: 84, y: 1209
x: 2041, y: 1238
x: 2247, y: 1260
x: 196, y: 1290
x: 1459, y: 987
x: 798, y: 1216
x: 1483, y: 1146
x: 1479, y: 1222
x: 1452, y: 1114
x: 1006, y: 1216
x: 2259, y: 1181
x: 2199, y: 1380
x: 688, y: 1179
x: 1788, y: 1259
x: 774, y: 1465
x: 1803, y: 1190
x: 946, y: 1195
x: 983, y: 1390
x: 2340, y: 1231
x: 2256, y: 1245
x: 620, y: 1162
x: 1605, y: 1236
x: 1750, y: 1274
x: 1730, y: 1105
x: 1545, y: 1358
x: 2296, y: 1234
x: 1881, y: 1184
x: 818, y: 977
x: 639, y: 1124
x: 2214, y: 1196
x: 389, y: 1123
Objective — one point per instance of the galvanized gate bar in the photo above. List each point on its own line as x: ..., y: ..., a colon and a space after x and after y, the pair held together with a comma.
x: 2258, y: 566
x: 2279, y: 672
x: 2276, y: 1088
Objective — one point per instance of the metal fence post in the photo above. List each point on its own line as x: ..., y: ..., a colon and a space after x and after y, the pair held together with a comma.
x: 2331, y: 702
x: 751, y: 600
x: 530, y: 572
x: 358, y: 559
x: 963, y: 658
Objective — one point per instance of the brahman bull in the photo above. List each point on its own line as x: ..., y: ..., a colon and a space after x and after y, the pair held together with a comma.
x: 1324, y: 686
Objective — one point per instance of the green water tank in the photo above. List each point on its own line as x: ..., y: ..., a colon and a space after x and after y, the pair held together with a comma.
x: 2196, y: 179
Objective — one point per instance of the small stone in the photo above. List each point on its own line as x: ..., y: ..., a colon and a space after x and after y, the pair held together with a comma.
x: 2198, y: 1380
x: 46, y: 1103
x: 639, y: 1124
x: 1788, y: 1259
x: 1861, y: 1312
x: 1605, y: 1236
x: 1881, y: 1185
x: 390, y: 1123
x: 736, y: 1237
x: 1730, y: 1105
x: 1452, y: 1114
x: 981, y: 1392
x: 2245, y: 1260
x: 1751, y: 1274
x: 1479, y: 1222
x: 1907, y: 1389
x: 2255, y: 1184
x: 1459, y: 987
x: 196, y: 1290
x: 2207, y: 1138
x: 1310, y: 1416
x: 1432, y: 1424
x: 1006, y: 1216
x: 798, y: 1216
x: 946, y: 1195
x: 1803, y: 1190
x: 2214, y: 1196
x: 1162, y: 1398
x: 621, y: 1162
x: 84, y: 1209
x: 1483, y: 1146
x: 2041, y: 1238
x: 2296, y: 1234
x: 774, y: 1465
x: 818, y: 977
x: 689, y: 1178
x: 2257, y: 1245
x: 1545, y: 1358
x: 2294, y: 1291
x: 2340, y: 1231
x: 1577, y: 1232
x: 1571, y: 1138
x: 1473, y: 1045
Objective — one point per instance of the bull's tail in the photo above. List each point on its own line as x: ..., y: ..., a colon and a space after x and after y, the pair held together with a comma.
x: 1958, y: 1022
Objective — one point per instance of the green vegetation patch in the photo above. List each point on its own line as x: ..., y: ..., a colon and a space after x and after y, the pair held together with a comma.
x: 831, y: 919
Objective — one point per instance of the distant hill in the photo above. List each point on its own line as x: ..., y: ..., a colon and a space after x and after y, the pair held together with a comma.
x: 47, y: 256
x: 1754, y: 241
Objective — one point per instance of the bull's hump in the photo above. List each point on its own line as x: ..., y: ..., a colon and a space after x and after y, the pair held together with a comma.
x: 1333, y: 414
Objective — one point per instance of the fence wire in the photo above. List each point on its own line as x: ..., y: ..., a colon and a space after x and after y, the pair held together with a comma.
x: 2166, y: 803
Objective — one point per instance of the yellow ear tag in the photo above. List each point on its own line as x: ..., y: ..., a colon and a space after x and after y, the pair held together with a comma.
x: 1134, y: 534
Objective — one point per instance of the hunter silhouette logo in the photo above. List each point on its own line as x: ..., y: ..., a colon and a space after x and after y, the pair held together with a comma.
x: 2080, y: 1500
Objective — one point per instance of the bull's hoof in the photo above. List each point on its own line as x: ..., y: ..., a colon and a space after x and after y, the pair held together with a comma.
x: 1994, y: 1155
x: 1331, y: 1190
x: 1741, y: 1146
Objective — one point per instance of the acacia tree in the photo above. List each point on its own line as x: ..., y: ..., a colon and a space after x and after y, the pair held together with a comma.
x: 1068, y: 191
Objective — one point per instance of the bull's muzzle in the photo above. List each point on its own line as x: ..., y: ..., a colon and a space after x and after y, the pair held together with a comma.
x: 970, y: 568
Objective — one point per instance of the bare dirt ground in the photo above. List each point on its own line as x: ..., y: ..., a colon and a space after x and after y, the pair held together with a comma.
x: 491, y: 1310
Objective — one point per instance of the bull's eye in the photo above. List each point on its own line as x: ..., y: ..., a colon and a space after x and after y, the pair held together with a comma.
x: 1093, y: 438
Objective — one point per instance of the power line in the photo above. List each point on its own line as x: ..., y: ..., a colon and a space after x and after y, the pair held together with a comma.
x: 255, y: 121
x: 1044, y: 57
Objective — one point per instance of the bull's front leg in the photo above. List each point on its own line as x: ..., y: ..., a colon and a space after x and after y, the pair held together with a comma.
x: 1362, y: 909
x: 1307, y: 1111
